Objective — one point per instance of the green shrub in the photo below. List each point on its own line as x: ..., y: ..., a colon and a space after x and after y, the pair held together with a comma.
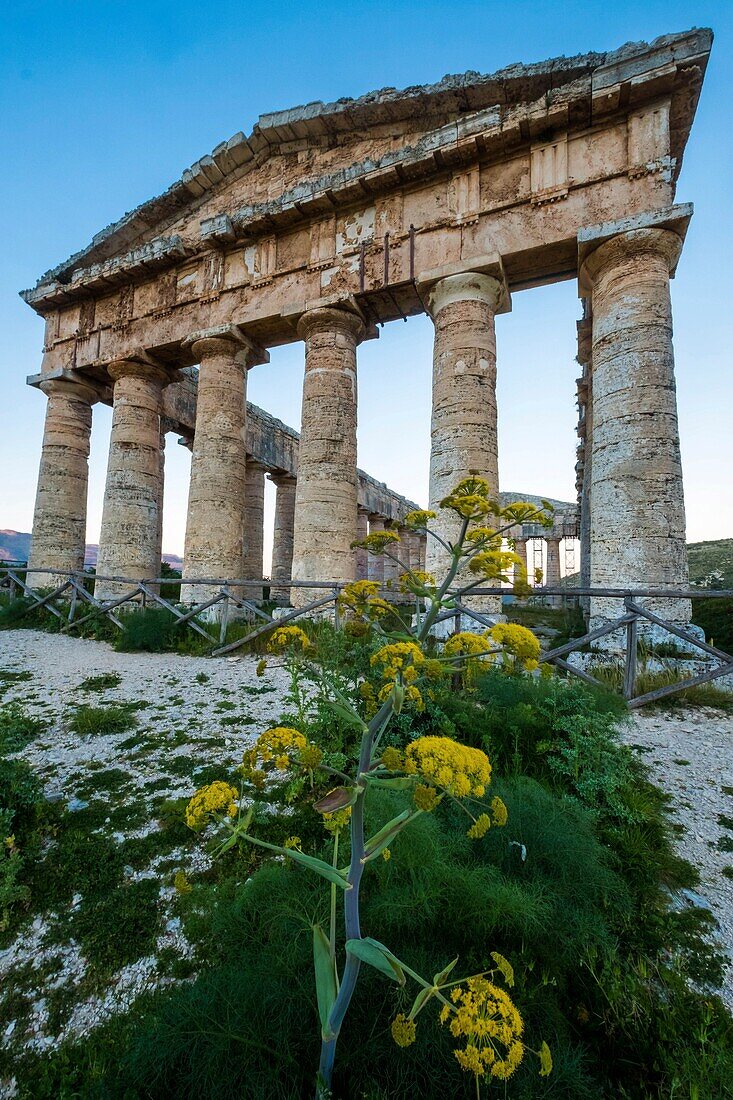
x: 715, y: 616
x: 150, y: 631
x: 89, y: 721
x: 17, y: 728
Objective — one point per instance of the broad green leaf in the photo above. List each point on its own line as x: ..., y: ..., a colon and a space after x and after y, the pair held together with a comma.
x: 372, y: 952
x: 420, y: 1001
x: 440, y: 978
x: 400, y: 783
x: 326, y: 980
x: 387, y: 833
x: 349, y: 716
x: 313, y: 864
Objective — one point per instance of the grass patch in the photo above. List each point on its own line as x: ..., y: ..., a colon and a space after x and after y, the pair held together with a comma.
x: 91, y: 721
x: 17, y: 728
x: 103, y: 682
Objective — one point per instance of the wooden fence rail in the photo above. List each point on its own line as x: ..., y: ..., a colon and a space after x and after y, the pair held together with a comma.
x: 63, y: 602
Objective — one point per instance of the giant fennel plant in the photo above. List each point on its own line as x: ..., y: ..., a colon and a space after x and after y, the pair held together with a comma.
x: 477, y: 1009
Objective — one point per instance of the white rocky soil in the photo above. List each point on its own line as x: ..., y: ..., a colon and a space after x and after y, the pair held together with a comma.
x: 690, y: 756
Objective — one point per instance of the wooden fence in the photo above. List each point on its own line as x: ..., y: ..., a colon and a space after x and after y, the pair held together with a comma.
x: 73, y: 594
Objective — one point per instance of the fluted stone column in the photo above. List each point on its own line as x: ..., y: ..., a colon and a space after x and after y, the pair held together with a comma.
x: 553, y: 576
x: 214, y: 531
x: 161, y: 494
x: 585, y: 450
x: 375, y: 562
x: 60, y: 516
x: 128, y: 542
x: 326, y: 493
x: 282, y: 542
x: 390, y: 567
x: 254, y: 518
x: 637, y: 521
x: 463, y: 426
x: 362, y: 555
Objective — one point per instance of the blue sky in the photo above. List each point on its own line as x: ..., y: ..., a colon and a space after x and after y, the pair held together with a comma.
x: 103, y: 103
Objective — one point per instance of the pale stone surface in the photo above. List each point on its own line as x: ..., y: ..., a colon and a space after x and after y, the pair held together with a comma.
x: 282, y: 542
x: 362, y: 555
x: 637, y: 514
x: 60, y: 516
x: 214, y: 533
x: 520, y: 549
x: 463, y: 426
x: 128, y: 542
x: 553, y: 576
x: 326, y: 498
x: 375, y: 562
x: 254, y: 515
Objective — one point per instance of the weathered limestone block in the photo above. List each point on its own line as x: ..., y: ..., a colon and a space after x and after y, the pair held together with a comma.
x: 214, y: 532
x: 637, y: 515
x: 463, y: 427
x: 254, y: 515
x: 375, y: 562
x: 362, y: 555
x: 128, y: 543
x: 326, y: 493
x: 282, y: 543
x: 60, y: 516
x: 391, y: 568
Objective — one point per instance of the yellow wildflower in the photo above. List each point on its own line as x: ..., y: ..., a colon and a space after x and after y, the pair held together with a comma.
x: 215, y: 798
x: 466, y: 644
x: 499, y: 812
x: 403, y: 1030
x: 337, y: 820
x: 426, y: 798
x: 287, y: 637
x: 395, y: 657
x: 419, y: 518
x: 378, y: 541
x: 411, y: 695
x: 480, y: 827
x: 495, y: 564
x: 416, y: 580
x: 281, y: 747
x: 386, y: 854
x: 485, y: 1016
x: 261, y: 666
x: 311, y: 756
x: 392, y: 759
x: 445, y: 763
x: 293, y: 842
x: 506, y: 968
x: 181, y: 883
x: 518, y: 641
x: 545, y: 1060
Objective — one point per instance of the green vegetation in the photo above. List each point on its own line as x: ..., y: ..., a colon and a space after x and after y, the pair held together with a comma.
x: 715, y: 616
x: 102, y: 682
x: 711, y: 563
x: 89, y: 721
x: 17, y: 728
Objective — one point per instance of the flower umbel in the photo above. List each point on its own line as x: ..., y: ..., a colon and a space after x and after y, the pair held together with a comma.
x: 217, y: 798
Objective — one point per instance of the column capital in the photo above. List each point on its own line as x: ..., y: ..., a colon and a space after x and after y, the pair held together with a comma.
x: 470, y: 287
x: 227, y: 340
x: 133, y: 368
x: 67, y: 387
x: 652, y: 231
x: 331, y: 319
x: 280, y: 477
x: 635, y: 242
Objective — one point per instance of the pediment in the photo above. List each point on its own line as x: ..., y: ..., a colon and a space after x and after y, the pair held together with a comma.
x: 313, y: 160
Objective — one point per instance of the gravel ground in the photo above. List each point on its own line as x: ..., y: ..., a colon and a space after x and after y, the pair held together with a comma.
x: 690, y: 755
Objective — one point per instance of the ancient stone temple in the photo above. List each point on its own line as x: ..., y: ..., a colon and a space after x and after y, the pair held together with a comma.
x: 330, y: 220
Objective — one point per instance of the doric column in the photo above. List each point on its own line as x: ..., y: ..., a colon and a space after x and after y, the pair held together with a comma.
x: 214, y: 531
x: 375, y: 562
x: 637, y: 522
x: 326, y: 493
x: 254, y: 518
x: 520, y: 549
x: 391, y: 568
x: 362, y: 556
x: 585, y: 449
x: 128, y: 543
x: 282, y: 541
x: 60, y: 516
x: 553, y: 577
x: 161, y: 493
x: 463, y: 427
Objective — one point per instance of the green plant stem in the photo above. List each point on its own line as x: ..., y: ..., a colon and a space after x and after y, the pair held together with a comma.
x: 332, y: 927
x: 351, y: 905
x: 437, y: 603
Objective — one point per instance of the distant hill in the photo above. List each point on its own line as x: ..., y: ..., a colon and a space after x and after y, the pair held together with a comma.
x: 15, y: 545
x: 711, y: 563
